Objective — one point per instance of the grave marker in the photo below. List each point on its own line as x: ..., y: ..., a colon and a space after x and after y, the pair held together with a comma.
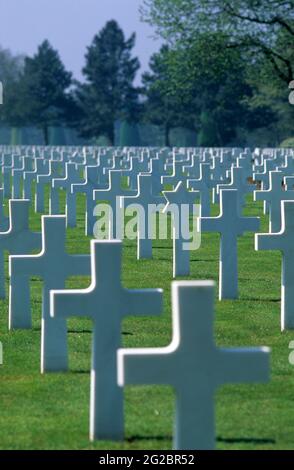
x: 107, y: 303
x: 193, y: 365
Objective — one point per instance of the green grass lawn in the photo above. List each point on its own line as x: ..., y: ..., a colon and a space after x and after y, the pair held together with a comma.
x: 52, y: 411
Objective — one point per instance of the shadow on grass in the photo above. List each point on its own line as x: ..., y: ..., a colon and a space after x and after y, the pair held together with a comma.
x: 235, y: 440
x: 74, y: 332
x: 148, y: 438
x: 203, y: 260
x: 254, y: 299
x: 246, y: 440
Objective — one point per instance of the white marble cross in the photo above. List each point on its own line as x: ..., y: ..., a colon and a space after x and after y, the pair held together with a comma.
x: 146, y: 204
x: 42, y: 180
x: 107, y: 303
x: 193, y: 365
x: 263, y: 178
x: 7, y: 170
x: 87, y: 188
x: 204, y: 184
x: 17, y: 177
x: 112, y: 196
x: 239, y: 182
x: 72, y: 176
x: 18, y: 239
x: 41, y: 168
x: 132, y: 173
x: 283, y: 241
x: 193, y: 169
x: 176, y: 176
x: 54, y: 265
x: 181, y: 205
x: 156, y: 171
x: 230, y: 225
x: 274, y: 195
x: 4, y: 221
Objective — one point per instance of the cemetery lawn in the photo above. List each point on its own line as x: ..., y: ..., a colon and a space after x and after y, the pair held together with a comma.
x: 52, y: 411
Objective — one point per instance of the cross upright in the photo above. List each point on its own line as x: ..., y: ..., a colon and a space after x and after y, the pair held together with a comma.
x: 288, y: 167
x: 146, y: 204
x: 230, y: 224
x: 54, y: 265
x: 193, y: 365
x: 193, y: 169
x: 274, y: 195
x: 245, y: 161
x: 41, y: 168
x: 156, y: 170
x: 4, y: 221
x: 42, y: 180
x: 204, y: 184
x: 181, y: 204
x: 132, y: 173
x: 91, y: 182
x: 239, y: 182
x: 18, y: 238
x: 112, y: 196
x: 263, y: 178
x: 7, y: 171
x: 107, y: 302
x: 72, y: 176
x: 283, y: 241
x: 176, y: 176
x: 17, y: 176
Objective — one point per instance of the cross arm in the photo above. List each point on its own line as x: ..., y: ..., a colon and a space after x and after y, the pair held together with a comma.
x: 25, y: 265
x: 268, y: 241
x: 262, y: 196
x: 243, y: 365
x: 250, y: 224
x: 71, y: 303
x: 144, y: 366
x: 210, y: 224
x: 143, y: 302
x: 79, y: 188
x: 79, y: 265
x: 60, y: 183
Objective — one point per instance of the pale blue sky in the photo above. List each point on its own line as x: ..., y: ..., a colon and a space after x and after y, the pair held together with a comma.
x: 70, y: 26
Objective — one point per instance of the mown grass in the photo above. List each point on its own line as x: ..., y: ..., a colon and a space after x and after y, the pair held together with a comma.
x: 51, y: 411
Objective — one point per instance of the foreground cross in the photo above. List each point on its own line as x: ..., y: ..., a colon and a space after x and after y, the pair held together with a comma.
x: 230, y: 225
x: 54, y: 265
x: 193, y: 365
x: 108, y: 303
x: 284, y: 242
x: 18, y: 239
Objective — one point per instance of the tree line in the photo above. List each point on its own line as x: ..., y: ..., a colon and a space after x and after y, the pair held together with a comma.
x: 223, y: 73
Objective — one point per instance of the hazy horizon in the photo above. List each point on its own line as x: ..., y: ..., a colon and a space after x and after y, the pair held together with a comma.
x: 70, y: 26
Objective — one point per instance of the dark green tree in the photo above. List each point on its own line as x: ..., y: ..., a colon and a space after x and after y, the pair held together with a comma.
x: 11, y: 68
x: 206, y: 88
x: 109, y: 93
x: 162, y: 107
x: 44, y: 95
x: 251, y: 25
